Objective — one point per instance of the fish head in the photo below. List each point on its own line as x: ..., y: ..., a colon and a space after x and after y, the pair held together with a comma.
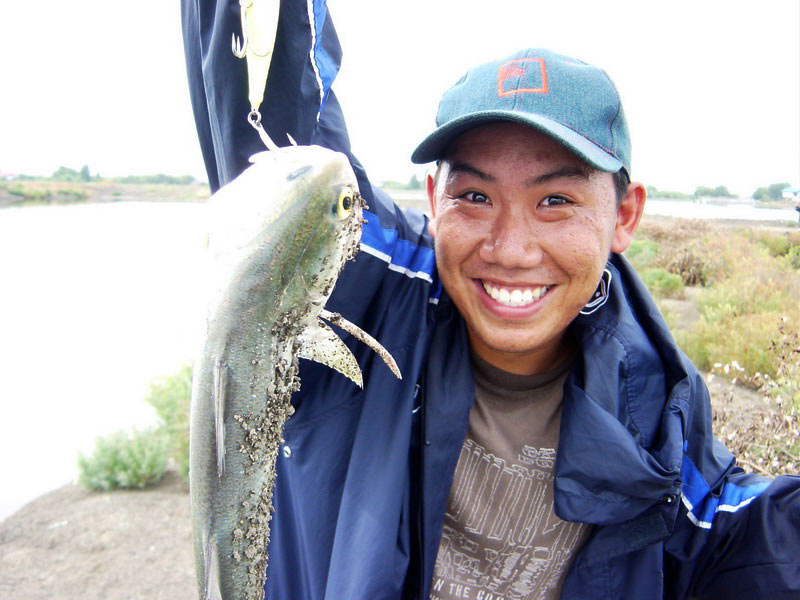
x: 280, y: 233
x: 326, y: 219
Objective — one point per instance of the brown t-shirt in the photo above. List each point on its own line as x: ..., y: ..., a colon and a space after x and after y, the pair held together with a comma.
x: 501, y: 539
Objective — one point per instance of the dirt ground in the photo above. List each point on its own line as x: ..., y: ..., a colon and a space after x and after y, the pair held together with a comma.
x: 75, y: 544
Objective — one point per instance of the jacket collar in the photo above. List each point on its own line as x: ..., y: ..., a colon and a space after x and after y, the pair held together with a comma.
x: 625, y: 407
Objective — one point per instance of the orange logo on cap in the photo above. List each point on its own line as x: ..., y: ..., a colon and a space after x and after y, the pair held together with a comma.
x: 532, y: 69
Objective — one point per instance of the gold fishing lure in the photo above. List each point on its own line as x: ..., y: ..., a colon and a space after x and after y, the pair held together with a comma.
x: 259, y: 27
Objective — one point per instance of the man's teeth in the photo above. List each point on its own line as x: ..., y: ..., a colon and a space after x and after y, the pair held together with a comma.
x: 517, y: 296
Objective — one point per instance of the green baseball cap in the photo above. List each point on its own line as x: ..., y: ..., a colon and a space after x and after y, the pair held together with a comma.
x: 573, y: 102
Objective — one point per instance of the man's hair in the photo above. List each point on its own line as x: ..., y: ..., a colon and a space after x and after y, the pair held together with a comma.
x: 621, y: 182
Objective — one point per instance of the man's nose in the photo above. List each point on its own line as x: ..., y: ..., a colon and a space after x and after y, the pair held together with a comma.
x: 513, y: 240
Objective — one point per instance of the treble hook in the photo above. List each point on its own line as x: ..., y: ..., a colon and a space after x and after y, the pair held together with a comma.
x: 240, y: 48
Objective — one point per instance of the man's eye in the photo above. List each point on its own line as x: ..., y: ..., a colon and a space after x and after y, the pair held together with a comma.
x: 476, y: 197
x: 554, y: 201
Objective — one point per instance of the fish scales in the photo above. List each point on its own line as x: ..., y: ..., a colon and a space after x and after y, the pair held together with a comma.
x: 280, y: 234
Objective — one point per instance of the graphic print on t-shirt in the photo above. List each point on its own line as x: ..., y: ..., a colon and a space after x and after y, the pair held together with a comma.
x: 510, y: 545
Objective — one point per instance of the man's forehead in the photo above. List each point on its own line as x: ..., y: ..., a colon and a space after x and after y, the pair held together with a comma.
x: 501, y: 137
x: 487, y: 144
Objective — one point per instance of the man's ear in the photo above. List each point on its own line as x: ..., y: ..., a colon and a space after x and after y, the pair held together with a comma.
x: 629, y: 213
x: 430, y: 186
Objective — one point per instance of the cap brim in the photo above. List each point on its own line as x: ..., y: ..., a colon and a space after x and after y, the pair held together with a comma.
x: 435, y: 145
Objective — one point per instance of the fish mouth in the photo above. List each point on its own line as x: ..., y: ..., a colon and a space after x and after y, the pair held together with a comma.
x: 514, y: 296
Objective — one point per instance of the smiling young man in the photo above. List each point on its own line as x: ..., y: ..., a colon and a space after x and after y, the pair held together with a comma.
x: 529, y: 201
x: 523, y: 231
x: 548, y: 439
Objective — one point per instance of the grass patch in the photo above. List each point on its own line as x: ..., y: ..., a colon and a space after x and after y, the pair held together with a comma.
x: 38, y: 192
x: 662, y: 283
x: 771, y: 444
x: 776, y: 243
x: 681, y: 248
x: 642, y: 252
x: 749, y: 284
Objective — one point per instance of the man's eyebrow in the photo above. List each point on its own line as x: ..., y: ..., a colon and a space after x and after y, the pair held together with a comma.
x: 461, y: 168
x: 568, y: 172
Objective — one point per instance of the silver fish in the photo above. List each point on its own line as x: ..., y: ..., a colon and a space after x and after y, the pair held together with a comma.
x: 279, y: 236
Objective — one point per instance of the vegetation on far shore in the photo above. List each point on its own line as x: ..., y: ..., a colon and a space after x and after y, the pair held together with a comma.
x: 68, y: 186
x: 771, y: 195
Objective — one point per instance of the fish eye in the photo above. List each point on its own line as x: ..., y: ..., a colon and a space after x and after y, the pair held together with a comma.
x: 344, y: 204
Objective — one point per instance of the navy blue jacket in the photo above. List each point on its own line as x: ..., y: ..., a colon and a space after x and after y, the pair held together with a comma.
x: 363, y: 483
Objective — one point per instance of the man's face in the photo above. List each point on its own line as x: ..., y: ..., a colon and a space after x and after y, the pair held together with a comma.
x: 523, y: 229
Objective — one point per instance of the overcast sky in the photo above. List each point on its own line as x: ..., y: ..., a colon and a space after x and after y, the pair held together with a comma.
x: 711, y: 88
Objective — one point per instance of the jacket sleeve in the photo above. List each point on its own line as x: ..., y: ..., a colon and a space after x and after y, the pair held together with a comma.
x: 753, y: 551
x: 298, y: 99
x: 737, y: 536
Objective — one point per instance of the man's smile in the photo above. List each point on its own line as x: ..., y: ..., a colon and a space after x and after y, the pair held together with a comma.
x: 514, y: 296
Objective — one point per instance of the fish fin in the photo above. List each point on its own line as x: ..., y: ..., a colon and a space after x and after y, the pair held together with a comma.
x: 363, y: 336
x: 211, y: 589
x: 321, y: 344
x: 220, y: 390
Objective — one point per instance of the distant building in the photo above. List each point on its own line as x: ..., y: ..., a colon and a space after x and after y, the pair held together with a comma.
x: 791, y: 193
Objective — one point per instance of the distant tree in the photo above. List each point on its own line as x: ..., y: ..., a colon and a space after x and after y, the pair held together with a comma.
x: 85, y: 175
x: 708, y: 192
x: 770, y: 192
x: 653, y: 192
x: 65, y: 174
x: 702, y: 191
x: 722, y: 192
x: 414, y: 183
x: 157, y: 178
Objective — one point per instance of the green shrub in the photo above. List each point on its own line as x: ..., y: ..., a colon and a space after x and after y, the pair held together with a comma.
x: 750, y: 292
x: 29, y: 194
x: 170, y: 396
x: 775, y: 243
x: 743, y: 339
x: 123, y: 461
x: 642, y: 252
x: 662, y: 283
x: 690, y: 265
x: 793, y: 257
x: 73, y: 193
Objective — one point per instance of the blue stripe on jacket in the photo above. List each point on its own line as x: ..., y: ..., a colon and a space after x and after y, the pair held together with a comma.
x: 703, y: 506
x: 402, y: 255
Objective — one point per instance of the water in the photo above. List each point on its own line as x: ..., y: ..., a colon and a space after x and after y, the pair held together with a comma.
x: 737, y: 211
x: 97, y: 299
x: 740, y: 210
